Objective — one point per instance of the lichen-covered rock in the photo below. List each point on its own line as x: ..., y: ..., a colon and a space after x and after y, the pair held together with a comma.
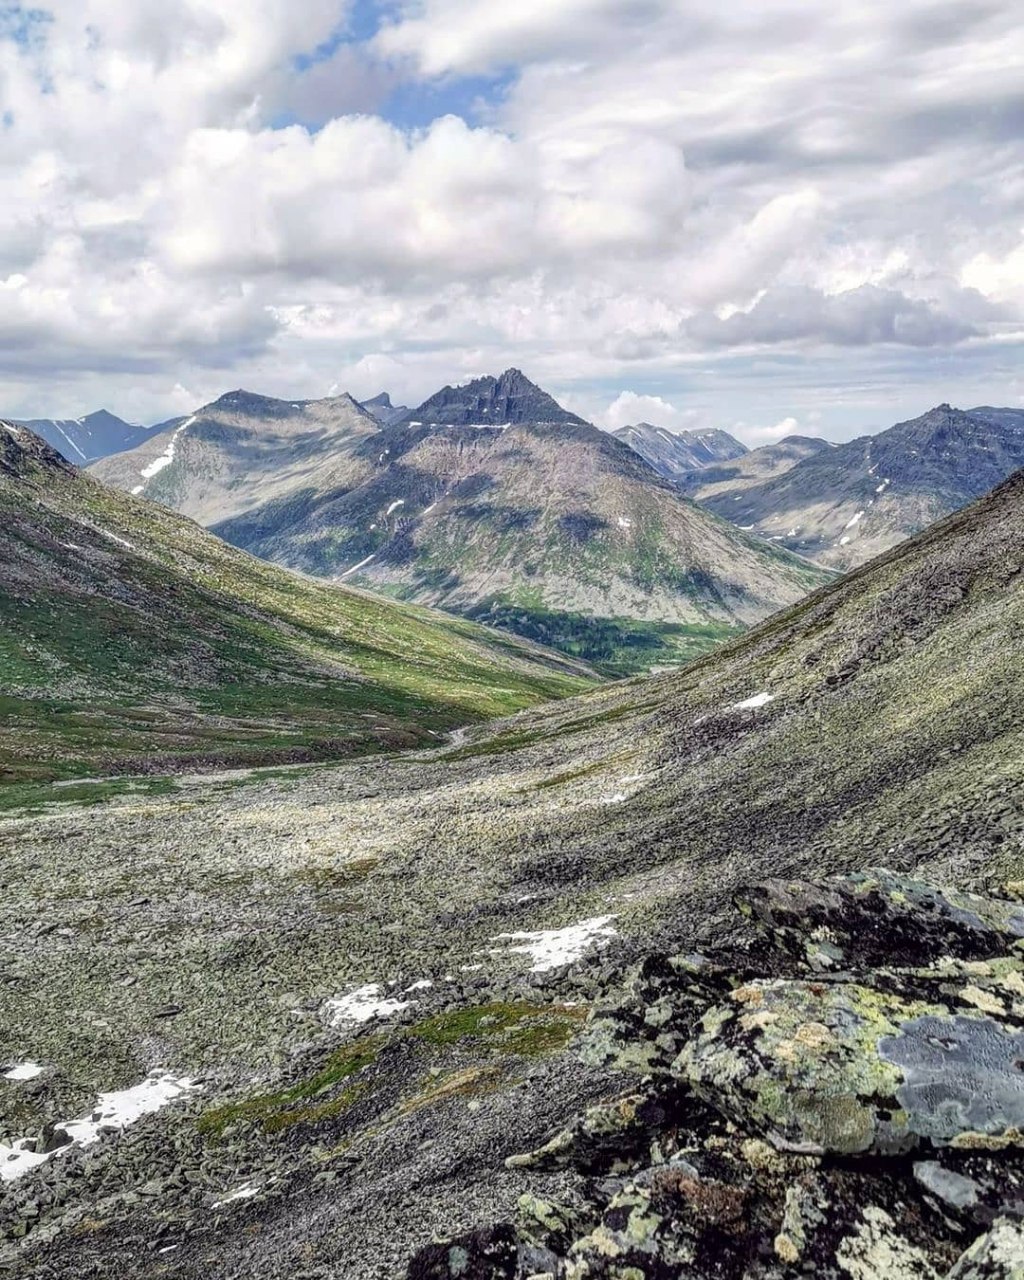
x: 489, y: 1254
x: 841, y: 1096
x: 842, y: 1068
x: 996, y: 1256
x: 881, y: 918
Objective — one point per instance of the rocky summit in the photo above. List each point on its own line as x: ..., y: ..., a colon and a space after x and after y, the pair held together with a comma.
x: 810, y: 1100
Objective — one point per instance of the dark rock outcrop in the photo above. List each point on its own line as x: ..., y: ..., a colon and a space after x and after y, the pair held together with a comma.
x: 848, y: 1111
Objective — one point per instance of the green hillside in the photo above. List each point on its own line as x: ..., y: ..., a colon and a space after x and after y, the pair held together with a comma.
x: 132, y: 641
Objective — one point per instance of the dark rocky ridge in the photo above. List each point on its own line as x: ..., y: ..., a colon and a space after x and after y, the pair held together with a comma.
x: 843, y: 505
x: 502, y: 401
x: 84, y: 440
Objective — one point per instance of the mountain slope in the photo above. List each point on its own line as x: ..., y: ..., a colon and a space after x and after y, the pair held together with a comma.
x: 503, y: 401
x: 674, y: 454
x: 87, y: 439
x: 244, y: 451
x: 846, y: 504
x: 544, y: 526
x: 880, y: 720
x: 132, y: 639
x: 558, y: 532
x: 727, y: 479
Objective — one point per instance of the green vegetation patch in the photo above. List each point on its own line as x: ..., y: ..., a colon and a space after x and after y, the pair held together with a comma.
x: 307, y: 1102
x: 614, y: 646
x: 520, y: 1028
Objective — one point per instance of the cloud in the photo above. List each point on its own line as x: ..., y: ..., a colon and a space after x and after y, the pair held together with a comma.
x: 197, y: 189
x: 629, y: 408
x: 858, y: 317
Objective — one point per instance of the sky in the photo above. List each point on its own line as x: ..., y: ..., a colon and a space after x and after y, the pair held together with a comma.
x: 767, y: 216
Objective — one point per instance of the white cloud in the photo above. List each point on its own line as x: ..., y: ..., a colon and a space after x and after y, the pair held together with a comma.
x: 652, y: 192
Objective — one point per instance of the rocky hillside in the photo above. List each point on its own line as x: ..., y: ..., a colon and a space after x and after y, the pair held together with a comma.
x: 842, y: 506
x: 676, y: 454
x: 545, y: 527
x: 723, y: 482
x: 87, y: 439
x: 246, y: 451
x: 132, y: 640
x: 406, y: 948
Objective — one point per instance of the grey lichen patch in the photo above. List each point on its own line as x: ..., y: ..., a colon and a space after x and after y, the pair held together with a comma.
x: 961, y: 1075
x: 800, y: 1062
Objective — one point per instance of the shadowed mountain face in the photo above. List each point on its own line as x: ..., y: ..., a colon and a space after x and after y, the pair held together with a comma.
x: 842, y: 505
x: 549, y: 528
x: 675, y: 455
x: 87, y: 439
x: 131, y: 638
x: 505, y: 886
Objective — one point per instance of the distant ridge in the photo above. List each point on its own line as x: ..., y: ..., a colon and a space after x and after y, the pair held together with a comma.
x: 675, y: 454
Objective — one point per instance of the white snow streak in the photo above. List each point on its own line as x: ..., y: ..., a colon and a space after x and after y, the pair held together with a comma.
x: 167, y: 457
x: 752, y: 704
x: 394, y: 506
x: 355, y: 567
x: 361, y: 1005
x: 856, y: 520
x: 243, y: 1193
x: 550, y: 948
x: 24, y: 1071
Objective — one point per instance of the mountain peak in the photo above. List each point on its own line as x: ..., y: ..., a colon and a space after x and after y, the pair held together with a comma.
x: 22, y: 451
x: 504, y: 401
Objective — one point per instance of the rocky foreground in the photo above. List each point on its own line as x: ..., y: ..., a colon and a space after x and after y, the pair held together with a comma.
x: 841, y: 1096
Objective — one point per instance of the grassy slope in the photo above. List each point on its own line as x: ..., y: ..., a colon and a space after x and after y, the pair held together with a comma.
x: 132, y: 639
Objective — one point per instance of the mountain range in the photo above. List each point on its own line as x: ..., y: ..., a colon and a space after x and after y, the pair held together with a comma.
x: 135, y: 641
x: 487, y: 500
x: 83, y: 440
x: 677, y: 454
x: 840, y: 506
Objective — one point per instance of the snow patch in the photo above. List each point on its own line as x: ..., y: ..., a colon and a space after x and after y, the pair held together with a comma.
x: 855, y: 521
x: 619, y: 798
x: 362, y: 1005
x: 24, y: 1071
x: 243, y: 1193
x: 843, y: 541
x: 551, y: 948
x: 624, y: 523
x: 424, y: 984
x: 752, y: 704
x: 394, y: 506
x: 348, y: 572
x: 121, y: 542
x: 167, y: 457
x: 883, y: 486
x: 113, y: 1112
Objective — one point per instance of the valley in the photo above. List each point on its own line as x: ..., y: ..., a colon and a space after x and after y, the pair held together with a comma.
x: 877, y: 721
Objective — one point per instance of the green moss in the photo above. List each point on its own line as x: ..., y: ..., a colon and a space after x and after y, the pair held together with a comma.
x: 519, y: 1028
x: 299, y: 1104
